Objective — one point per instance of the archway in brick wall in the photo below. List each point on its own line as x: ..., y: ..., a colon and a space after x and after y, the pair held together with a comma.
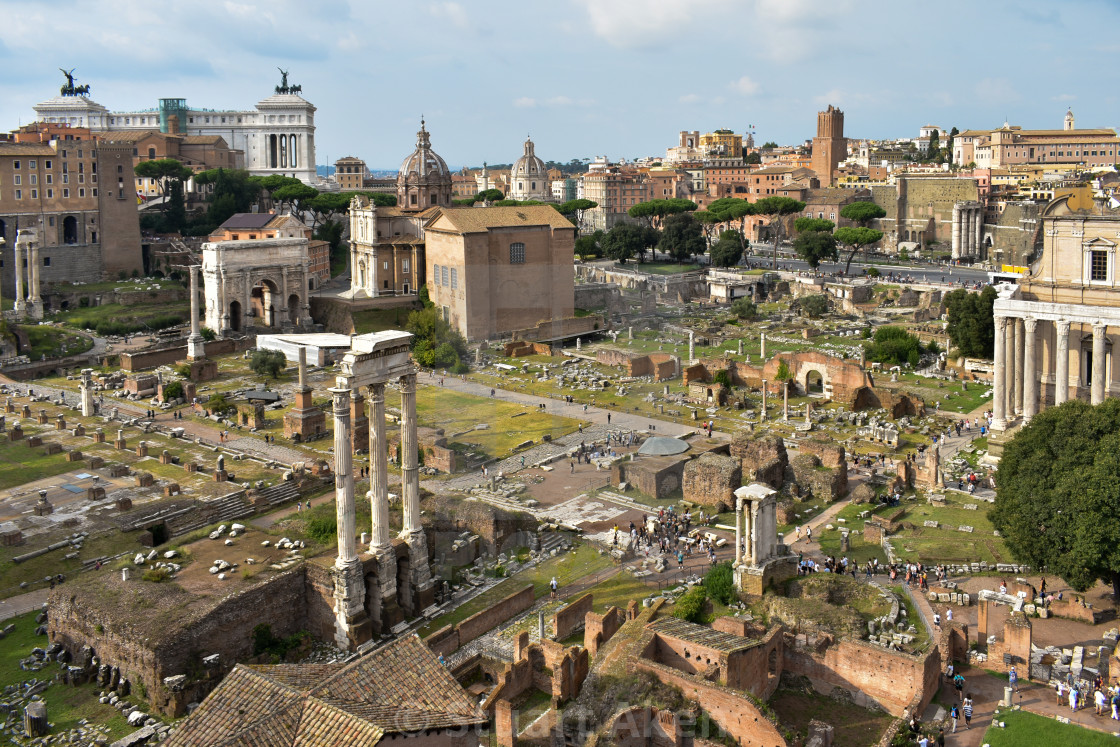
x: 813, y: 382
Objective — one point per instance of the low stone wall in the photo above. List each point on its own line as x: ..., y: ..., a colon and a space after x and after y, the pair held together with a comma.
x: 598, y: 629
x: 146, y: 359
x: 571, y: 618
x: 450, y: 637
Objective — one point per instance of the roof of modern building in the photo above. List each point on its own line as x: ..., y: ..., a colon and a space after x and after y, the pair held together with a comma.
x: 398, y: 689
x: 248, y: 220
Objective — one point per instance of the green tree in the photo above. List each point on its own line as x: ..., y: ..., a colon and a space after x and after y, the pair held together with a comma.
x: 165, y: 171
x: 855, y: 237
x: 753, y: 159
x: 813, y: 306
x: 295, y: 196
x: 776, y: 208
x: 175, y: 215
x: 934, y: 152
x: 971, y: 325
x: 949, y: 144
x: 691, y: 606
x: 591, y: 245
x: 804, y: 224
x: 436, y: 344
x: 815, y: 246
x: 682, y: 237
x: 231, y: 192
x: 1057, y: 497
x: 728, y: 250
x: 744, y: 308
x: 769, y: 145
x: 783, y: 374
x: 573, y: 210
x: 720, y: 583
x: 660, y: 209
x: 489, y: 195
x: 268, y: 363
x: 727, y: 209
x: 628, y: 240
x: 894, y: 346
x: 862, y: 213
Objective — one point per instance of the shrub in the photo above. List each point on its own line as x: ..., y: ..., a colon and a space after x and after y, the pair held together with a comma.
x: 184, y: 370
x: 720, y: 584
x: 722, y: 377
x: 208, y: 334
x: 744, y: 308
x: 218, y: 404
x: 814, y: 306
x: 174, y: 390
x: 323, y: 529
x: 156, y: 575
x: 691, y: 606
x: 268, y: 363
x: 895, y: 346
x: 460, y: 368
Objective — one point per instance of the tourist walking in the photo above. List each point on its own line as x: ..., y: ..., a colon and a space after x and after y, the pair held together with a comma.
x: 955, y: 714
x: 553, y: 585
x: 968, y: 711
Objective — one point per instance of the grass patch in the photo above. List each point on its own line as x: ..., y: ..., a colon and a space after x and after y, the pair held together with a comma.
x: 584, y: 560
x: 116, y: 319
x: 51, y: 342
x: 21, y: 464
x: 66, y: 705
x: 378, y: 320
x: 665, y: 268
x: 1030, y: 730
x: 852, y: 726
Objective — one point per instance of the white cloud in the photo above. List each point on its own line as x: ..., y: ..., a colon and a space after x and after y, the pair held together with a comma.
x: 745, y: 86
x: 690, y: 98
x: 1064, y: 97
x: 453, y: 13
x: 525, y: 102
x: 640, y: 23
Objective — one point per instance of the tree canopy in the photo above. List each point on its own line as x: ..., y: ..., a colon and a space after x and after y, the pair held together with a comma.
x: 972, y: 326
x: 164, y: 171
x: 489, y: 195
x: 268, y: 363
x: 815, y: 246
x: 628, y: 240
x: 862, y: 213
x: 775, y: 208
x: 1057, y: 495
x: 803, y: 224
x: 728, y: 250
x: 573, y: 210
x: 590, y: 245
x: 661, y: 208
x: 894, y: 346
x: 682, y: 237
x: 855, y: 237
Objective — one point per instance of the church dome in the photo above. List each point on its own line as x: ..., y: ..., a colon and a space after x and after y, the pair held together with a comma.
x: 424, y: 179
x: 529, y: 177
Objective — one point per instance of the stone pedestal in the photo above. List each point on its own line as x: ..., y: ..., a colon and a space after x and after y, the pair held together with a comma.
x: 304, y: 420
x: 43, y: 419
x: 121, y: 444
x: 220, y: 475
x: 352, y: 624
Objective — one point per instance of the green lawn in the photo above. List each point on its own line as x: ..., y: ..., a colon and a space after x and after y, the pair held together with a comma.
x: 20, y: 464
x: 569, y: 567
x: 51, y: 342
x: 509, y: 424
x: 665, y: 268
x: 1030, y: 730
x: 377, y: 320
x: 143, y: 318
x: 66, y: 705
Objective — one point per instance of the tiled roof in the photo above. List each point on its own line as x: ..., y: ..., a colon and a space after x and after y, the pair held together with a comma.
x: 248, y: 220
x: 399, y: 689
x: 25, y: 149
x: 202, y: 139
x: 701, y: 635
x: 477, y: 219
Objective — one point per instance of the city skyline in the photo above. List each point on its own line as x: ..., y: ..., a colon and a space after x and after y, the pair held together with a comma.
x: 583, y: 78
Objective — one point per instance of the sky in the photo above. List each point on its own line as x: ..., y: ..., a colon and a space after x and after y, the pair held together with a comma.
x: 583, y: 78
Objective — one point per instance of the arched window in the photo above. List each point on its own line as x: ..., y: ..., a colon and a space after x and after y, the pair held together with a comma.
x: 517, y: 253
x: 70, y: 230
x: 151, y: 154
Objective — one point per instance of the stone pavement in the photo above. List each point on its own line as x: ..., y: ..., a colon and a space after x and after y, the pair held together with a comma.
x: 21, y: 603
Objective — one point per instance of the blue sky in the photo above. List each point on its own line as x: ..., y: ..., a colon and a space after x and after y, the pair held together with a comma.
x: 584, y: 77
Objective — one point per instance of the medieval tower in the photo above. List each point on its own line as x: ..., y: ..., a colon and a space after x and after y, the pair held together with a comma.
x: 829, y: 146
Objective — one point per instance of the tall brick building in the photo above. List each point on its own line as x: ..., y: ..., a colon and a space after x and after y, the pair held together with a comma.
x: 830, y: 147
x: 79, y: 192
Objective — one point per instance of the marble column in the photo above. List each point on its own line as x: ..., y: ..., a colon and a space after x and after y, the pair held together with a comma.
x: 785, y: 400
x: 763, y: 346
x: 34, y: 300
x: 378, y: 470
x: 1030, y: 370
x: 1020, y: 381
x: 1097, y: 385
x: 1061, y: 363
x: 754, y: 535
x: 196, y: 346
x: 344, y: 478
x: 978, y: 214
x: 410, y: 476
x: 247, y: 303
x: 956, y: 245
x: 763, y: 416
x: 691, y: 348
x: 999, y: 390
x: 737, y: 556
x: 1009, y: 369
x: 20, y: 305
x: 87, y: 392
x: 223, y: 303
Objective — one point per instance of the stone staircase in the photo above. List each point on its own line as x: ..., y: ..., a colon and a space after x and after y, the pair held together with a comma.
x: 227, y: 508
x: 279, y: 493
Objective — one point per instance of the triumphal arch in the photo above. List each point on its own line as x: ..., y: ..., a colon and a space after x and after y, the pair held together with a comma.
x: 256, y: 282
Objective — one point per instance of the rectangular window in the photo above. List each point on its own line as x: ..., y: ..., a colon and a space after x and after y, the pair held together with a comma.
x: 46, y: 261
x: 46, y: 164
x: 446, y: 279
x: 517, y: 253
x: 50, y: 193
x: 454, y: 279
x: 15, y: 164
x: 50, y: 178
x: 81, y: 192
x: 31, y: 163
x: 65, y: 191
x: 34, y: 194
x: 1098, y: 265
x: 19, y: 194
x: 404, y: 266
x: 34, y: 178
x: 17, y: 179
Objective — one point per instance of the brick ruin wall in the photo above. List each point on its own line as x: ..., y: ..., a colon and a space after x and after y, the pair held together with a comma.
x: 763, y: 459
x: 661, y: 366
x: 450, y: 637
x: 571, y: 618
x: 146, y: 359
x: 598, y: 629
x: 711, y: 480
x: 873, y: 677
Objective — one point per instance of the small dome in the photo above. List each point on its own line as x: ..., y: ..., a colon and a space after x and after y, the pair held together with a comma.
x: 663, y: 446
x: 528, y: 166
x: 423, y: 161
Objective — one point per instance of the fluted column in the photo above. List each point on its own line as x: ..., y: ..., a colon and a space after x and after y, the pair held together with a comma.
x: 978, y: 214
x: 410, y: 476
x: 1097, y: 388
x: 1030, y: 370
x: 738, y: 554
x: 1009, y: 369
x: 785, y: 400
x: 763, y: 417
x: 1061, y: 367
x: 34, y: 300
x: 753, y: 539
x: 1020, y: 382
x: 20, y: 304
x: 956, y: 245
x: 343, y: 478
x: 378, y: 469
x: 196, y: 348
x: 999, y: 390
x: 87, y: 392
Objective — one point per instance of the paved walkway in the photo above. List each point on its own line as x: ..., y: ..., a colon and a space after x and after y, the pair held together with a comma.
x: 21, y: 603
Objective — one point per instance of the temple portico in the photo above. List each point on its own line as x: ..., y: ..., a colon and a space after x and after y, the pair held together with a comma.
x: 26, y: 252
x: 968, y: 221
x: 760, y: 557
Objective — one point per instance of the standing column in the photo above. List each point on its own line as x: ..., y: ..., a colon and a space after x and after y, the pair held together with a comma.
x: 247, y: 304
x: 785, y: 400
x: 1061, y: 367
x: 34, y: 300
x: 691, y: 348
x: 196, y: 348
x: 753, y: 539
x: 1020, y: 382
x: 764, y: 347
x: 223, y: 302
x: 763, y: 416
x: 18, y: 250
x: 410, y: 476
x: 1097, y: 387
x: 1009, y: 368
x: 343, y: 478
x: 378, y: 469
x: 738, y: 554
x: 999, y: 390
x: 956, y: 245
x: 979, y: 227
x: 87, y: 392
x: 1030, y: 370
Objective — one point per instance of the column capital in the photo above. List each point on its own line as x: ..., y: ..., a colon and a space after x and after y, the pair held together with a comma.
x: 376, y: 391
x: 341, y: 400
x: 408, y: 383
x: 1062, y: 325
x: 1030, y: 324
x: 1099, y: 327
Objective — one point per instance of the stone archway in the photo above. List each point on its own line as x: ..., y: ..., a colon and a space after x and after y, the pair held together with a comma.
x: 265, y: 298
x: 235, y: 320
x: 813, y: 381
x: 293, y: 309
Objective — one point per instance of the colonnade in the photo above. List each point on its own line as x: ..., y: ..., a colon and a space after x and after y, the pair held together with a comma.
x: 1020, y: 366
x: 756, y: 521
x: 27, y: 250
x: 968, y: 221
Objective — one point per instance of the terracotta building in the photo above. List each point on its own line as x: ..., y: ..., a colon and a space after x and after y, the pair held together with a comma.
x: 830, y: 147
x: 350, y: 173
x: 1010, y: 145
x: 499, y: 269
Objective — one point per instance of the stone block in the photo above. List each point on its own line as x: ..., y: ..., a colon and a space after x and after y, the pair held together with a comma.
x: 95, y: 462
x: 118, y: 470
x: 34, y: 441
x: 99, y: 437
x: 145, y: 480
x: 95, y: 493
x: 51, y: 447
x: 170, y: 490
x: 74, y: 456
